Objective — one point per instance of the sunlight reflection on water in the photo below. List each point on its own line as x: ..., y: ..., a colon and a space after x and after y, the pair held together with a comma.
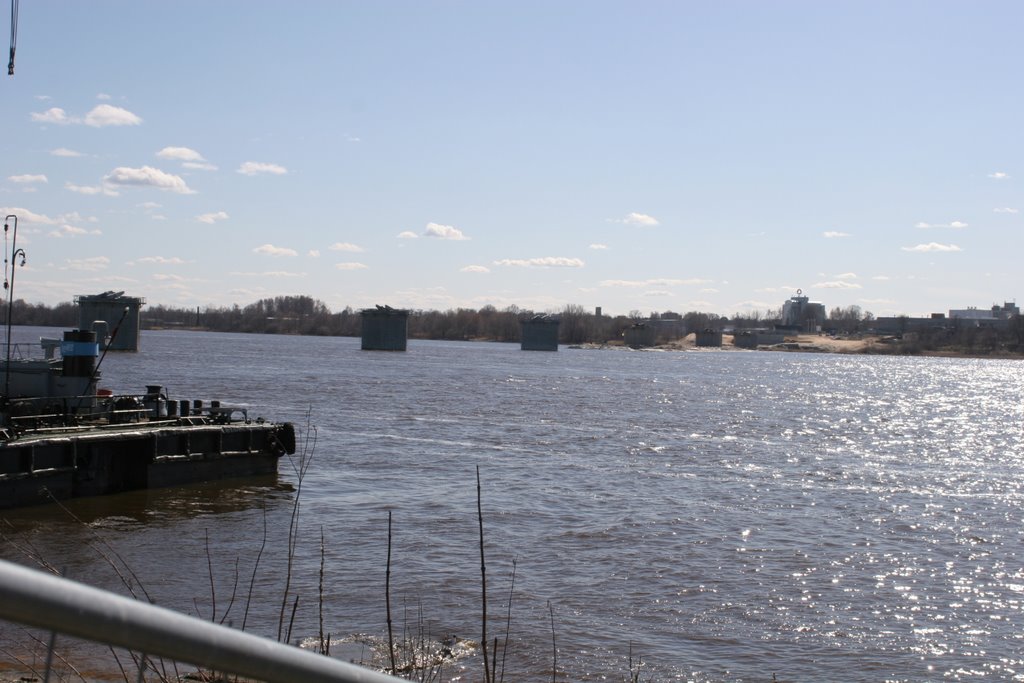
x: 724, y: 515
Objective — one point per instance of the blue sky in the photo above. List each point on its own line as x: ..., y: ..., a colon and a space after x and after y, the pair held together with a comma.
x: 653, y: 156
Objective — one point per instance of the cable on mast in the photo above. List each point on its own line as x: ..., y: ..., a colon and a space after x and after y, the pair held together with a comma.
x: 14, y: 35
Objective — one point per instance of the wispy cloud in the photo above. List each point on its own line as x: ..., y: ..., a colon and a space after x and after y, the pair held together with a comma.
x: 654, y: 282
x: 351, y: 265
x: 346, y: 246
x: 599, y: 247
x: 147, y: 176
x: 271, y: 250
x: 190, y: 158
x: 86, y: 264
x: 313, y: 253
x: 65, y: 152
x: 211, y: 218
x: 932, y: 247
x: 444, y: 232
x: 475, y: 269
x: 252, y: 168
x: 635, y: 218
x: 542, y: 262
x: 268, y: 273
x: 837, y: 284
x: 1006, y: 209
x: 998, y: 175
x: 26, y: 216
x: 28, y: 178
x: 956, y: 225
x: 91, y: 189
x: 835, y: 234
x: 162, y: 260
x: 407, y: 235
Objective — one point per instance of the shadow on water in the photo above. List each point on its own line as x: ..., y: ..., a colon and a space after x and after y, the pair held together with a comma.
x: 153, y: 505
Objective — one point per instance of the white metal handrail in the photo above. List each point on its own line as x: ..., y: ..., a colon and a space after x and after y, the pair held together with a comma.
x: 34, y: 598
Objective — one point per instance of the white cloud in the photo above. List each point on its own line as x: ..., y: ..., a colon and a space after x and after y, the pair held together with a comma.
x: 108, y: 115
x: 350, y: 266
x: 882, y: 278
x: 149, y: 206
x: 271, y: 250
x: 180, y: 154
x: 211, y: 218
x: 102, y: 96
x: 256, y: 167
x: 847, y: 276
x: 932, y: 246
x: 64, y: 152
x: 91, y: 189
x: 1006, y: 209
x: 835, y: 234
x: 837, y: 284
x: 956, y: 225
x: 407, y: 235
x: 28, y: 178
x: 167, y: 277
x: 147, y: 176
x: 542, y: 262
x: 68, y: 230
x: 599, y: 246
x: 162, y: 260
x: 657, y: 292
x: 345, y: 246
x: 635, y: 218
x: 444, y: 232
x: 188, y: 157
x: 998, y: 175
x: 26, y: 216
x: 266, y: 273
x: 52, y: 115
x: 654, y: 282
x: 313, y: 253
x: 87, y: 264
x: 475, y: 269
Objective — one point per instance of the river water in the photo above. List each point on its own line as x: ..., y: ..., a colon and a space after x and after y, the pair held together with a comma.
x: 719, y: 515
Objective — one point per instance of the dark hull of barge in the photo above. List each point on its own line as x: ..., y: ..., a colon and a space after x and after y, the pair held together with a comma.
x: 60, y: 464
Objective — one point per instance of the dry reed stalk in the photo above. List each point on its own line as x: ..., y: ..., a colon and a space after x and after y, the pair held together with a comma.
x: 483, y: 581
x: 387, y: 598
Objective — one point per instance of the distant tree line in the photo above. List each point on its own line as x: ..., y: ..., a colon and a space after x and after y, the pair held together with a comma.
x: 304, y: 315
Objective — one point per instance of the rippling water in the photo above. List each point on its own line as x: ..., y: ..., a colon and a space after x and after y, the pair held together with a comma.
x: 724, y: 515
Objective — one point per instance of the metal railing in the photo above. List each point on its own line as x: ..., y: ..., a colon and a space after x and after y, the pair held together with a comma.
x: 41, y: 600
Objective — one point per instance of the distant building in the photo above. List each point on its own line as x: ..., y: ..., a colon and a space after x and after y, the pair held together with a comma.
x: 800, y: 313
x: 1004, y: 312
